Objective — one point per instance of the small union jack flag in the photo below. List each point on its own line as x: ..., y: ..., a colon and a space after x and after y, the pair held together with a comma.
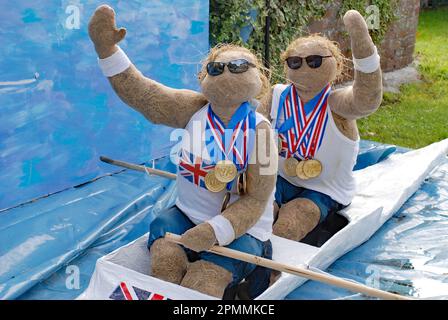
x: 125, y: 292
x: 283, y: 152
x: 193, y: 168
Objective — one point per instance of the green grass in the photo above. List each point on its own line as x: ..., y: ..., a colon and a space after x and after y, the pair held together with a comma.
x: 418, y: 115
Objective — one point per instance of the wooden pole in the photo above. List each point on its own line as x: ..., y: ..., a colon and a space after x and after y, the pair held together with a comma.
x: 141, y: 168
x: 267, y: 31
x: 301, y: 272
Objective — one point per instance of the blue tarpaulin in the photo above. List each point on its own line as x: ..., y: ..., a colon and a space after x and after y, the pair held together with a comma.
x: 80, y: 223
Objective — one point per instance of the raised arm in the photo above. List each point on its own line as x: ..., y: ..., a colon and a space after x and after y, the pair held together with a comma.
x: 158, y: 103
x: 365, y: 95
x: 247, y: 210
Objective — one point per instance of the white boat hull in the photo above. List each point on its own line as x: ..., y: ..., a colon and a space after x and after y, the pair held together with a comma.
x: 382, y: 190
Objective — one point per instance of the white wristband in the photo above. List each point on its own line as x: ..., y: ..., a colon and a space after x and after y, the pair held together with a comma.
x: 369, y: 64
x: 223, y: 230
x: 115, y: 64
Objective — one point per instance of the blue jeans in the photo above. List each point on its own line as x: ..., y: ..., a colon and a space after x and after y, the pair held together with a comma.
x: 175, y: 221
x: 285, y: 192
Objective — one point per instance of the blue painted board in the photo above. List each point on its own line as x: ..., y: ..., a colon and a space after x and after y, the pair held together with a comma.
x: 58, y: 113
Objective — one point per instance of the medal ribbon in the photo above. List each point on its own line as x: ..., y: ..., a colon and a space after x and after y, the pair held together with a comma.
x: 242, y: 125
x: 304, y: 133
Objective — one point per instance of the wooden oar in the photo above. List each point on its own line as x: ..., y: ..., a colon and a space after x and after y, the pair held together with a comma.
x: 301, y: 272
x: 141, y: 168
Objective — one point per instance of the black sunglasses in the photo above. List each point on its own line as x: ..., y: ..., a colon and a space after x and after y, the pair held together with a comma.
x: 234, y: 66
x: 314, y: 61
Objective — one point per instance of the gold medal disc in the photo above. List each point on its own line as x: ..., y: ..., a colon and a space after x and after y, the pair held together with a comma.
x: 312, y: 168
x: 290, y: 165
x: 225, y: 171
x: 213, y: 184
x: 299, y: 171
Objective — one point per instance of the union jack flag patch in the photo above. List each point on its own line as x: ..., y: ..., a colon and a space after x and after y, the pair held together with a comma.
x: 283, y: 151
x: 194, y: 169
x: 125, y: 292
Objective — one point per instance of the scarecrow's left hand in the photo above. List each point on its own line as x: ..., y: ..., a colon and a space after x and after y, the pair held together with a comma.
x: 200, y: 238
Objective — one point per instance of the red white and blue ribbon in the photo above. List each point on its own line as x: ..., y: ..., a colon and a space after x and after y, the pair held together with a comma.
x: 303, y: 131
x: 234, y: 142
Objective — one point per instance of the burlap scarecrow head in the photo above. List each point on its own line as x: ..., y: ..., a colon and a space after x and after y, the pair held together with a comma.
x: 307, y: 79
x: 234, y: 88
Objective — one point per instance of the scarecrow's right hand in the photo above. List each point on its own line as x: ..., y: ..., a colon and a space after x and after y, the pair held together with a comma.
x: 361, y: 43
x: 103, y: 31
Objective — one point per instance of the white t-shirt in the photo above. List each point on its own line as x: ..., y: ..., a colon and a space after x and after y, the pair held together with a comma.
x: 200, y: 204
x: 337, y: 154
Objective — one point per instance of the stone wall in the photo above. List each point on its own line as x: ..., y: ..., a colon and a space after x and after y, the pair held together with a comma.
x: 396, y: 49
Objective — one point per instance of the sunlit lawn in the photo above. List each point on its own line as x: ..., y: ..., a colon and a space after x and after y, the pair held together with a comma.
x: 418, y: 115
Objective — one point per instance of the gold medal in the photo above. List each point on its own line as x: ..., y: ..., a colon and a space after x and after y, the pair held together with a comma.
x: 213, y: 184
x: 312, y: 168
x: 299, y: 171
x: 225, y: 171
x: 290, y: 165
x: 242, y: 184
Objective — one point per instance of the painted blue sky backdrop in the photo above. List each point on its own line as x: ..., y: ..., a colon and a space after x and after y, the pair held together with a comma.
x: 58, y: 113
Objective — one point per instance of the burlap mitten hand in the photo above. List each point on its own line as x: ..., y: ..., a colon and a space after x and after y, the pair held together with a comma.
x: 104, y: 32
x: 200, y: 238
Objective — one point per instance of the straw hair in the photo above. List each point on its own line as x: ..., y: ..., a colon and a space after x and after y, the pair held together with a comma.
x: 220, y: 48
x: 332, y: 46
